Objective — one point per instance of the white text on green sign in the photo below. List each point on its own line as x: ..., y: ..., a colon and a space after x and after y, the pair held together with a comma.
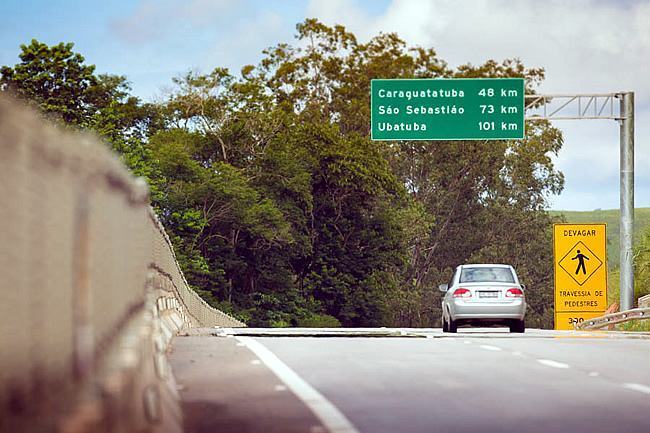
x: 447, y: 109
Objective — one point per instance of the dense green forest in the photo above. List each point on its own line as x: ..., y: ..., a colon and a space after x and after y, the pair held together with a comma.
x: 282, y: 210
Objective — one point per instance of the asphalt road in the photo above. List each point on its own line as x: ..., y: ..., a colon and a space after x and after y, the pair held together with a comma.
x: 402, y: 381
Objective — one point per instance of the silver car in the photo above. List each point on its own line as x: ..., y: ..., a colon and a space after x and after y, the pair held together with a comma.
x: 483, y: 295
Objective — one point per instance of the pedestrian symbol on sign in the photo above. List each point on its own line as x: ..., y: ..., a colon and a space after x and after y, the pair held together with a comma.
x: 587, y: 263
x: 581, y: 262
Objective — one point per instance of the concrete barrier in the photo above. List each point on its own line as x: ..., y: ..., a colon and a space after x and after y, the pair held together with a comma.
x: 91, y: 292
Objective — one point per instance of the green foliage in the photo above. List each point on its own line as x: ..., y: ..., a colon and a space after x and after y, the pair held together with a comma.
x: 641, y: 270
x: 284, y: 213
x: 471, y: 200
x: 642, y: 265
x: 635, y: 326
x: 319, y: 321
x: 55, y: 79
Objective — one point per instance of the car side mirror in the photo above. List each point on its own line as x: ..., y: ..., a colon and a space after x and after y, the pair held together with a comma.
x: 443, y: 287
x: 523, y: 286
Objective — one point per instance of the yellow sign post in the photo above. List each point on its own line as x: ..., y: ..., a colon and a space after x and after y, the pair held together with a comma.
x: 580, y: 268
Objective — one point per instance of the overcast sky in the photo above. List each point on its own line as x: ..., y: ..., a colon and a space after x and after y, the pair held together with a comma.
x: 585, y: 46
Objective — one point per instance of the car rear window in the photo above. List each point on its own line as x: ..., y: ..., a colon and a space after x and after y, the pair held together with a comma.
x: 486, y: 274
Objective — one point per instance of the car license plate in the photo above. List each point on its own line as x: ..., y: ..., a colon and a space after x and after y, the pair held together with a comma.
x: 488, y: 294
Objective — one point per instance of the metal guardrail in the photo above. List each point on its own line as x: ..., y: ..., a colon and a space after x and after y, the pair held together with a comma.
x: 644, y: 301
x: 615, y: 318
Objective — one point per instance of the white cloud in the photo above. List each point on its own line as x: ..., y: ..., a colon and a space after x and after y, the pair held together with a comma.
x: 152, y: 19
x: 166, y: 38
x: 579, y: 43
x: 585, y: 46
x: 346, y: 12
x: 256, y: 33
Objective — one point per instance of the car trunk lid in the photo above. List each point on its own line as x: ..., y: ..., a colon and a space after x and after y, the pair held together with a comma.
x: 489, y: 292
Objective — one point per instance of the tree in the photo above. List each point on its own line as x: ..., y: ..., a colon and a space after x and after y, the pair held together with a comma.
x: 283, y: 211
x: 335, y: 193
x: 55, y: 79
x: 58, y: 83
x: 467, y: 190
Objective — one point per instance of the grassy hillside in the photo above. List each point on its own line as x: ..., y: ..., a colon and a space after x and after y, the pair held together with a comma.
x: 609, y: 216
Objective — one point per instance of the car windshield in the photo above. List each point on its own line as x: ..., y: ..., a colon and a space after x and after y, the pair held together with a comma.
x: 486, y: 274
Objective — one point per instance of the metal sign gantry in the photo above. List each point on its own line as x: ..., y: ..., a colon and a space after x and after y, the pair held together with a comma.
x: 603, y: 106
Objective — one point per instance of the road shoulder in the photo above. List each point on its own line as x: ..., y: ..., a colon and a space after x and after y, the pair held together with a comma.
x: 225, y: 387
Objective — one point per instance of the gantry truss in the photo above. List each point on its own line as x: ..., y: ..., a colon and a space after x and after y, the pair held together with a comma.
x: 602, y: 106
x: 573, y: 107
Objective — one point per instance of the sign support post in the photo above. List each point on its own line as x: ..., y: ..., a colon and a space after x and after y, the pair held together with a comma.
x: 627, y: 200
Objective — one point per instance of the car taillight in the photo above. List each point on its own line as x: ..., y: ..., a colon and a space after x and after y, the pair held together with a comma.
x: 462, y: 293
x: 514, y: 293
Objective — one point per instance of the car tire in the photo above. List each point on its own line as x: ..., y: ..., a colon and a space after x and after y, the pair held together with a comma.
x: 518, y: 326
x: 445, y: 327
x: 452, y: 326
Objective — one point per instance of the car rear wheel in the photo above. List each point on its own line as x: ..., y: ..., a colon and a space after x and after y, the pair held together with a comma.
x: 445, y: 327
x: 517, y: 326
x: 452, y: 326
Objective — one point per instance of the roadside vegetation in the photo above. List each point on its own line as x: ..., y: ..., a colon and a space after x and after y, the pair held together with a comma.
x: 283, y: 212
x: 641, y: 281
x: 635, y: 326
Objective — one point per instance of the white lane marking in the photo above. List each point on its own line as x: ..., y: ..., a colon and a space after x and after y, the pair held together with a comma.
x: 325, y: 411
x: 517, y: 353
x: 256, y: 362
x: 594, y: 374
x: 551, y: 363
x: 487, y: 347
x: 637, y: 387
x: 280, y: 388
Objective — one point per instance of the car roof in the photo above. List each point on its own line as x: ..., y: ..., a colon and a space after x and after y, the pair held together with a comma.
x: 485, y: 265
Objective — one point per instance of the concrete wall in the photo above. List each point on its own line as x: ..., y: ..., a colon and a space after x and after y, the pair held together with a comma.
x: 91, y: 293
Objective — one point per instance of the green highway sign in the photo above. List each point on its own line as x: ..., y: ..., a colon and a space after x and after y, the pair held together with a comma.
x: 447, y: 109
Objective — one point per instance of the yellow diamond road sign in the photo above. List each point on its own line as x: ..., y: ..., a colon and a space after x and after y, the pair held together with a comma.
x: 580, y: 267
x: 580, y: 263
